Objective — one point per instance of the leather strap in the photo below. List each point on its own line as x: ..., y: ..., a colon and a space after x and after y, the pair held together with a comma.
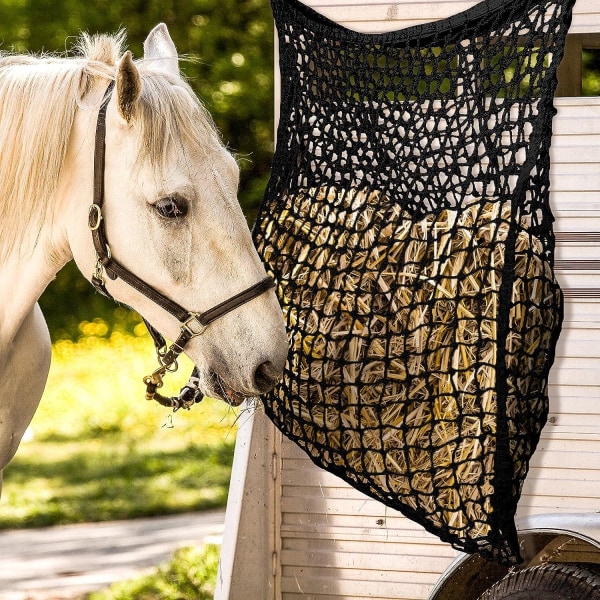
x: 113, y: 268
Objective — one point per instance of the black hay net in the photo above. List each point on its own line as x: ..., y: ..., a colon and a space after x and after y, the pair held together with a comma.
x: 408, y: 227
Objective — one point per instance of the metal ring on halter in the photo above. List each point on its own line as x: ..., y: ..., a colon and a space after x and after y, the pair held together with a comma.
x: 95, y: 211
x: 195, y: 317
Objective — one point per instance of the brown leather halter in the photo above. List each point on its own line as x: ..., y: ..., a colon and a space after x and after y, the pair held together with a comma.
x: 192, y: 323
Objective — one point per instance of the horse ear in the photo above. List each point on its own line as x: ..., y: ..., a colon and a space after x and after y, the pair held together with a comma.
x: 160, y: 49
x: 129, y: 86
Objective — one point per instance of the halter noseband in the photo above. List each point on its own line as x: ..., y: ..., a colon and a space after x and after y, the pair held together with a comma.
x: 192, y: 323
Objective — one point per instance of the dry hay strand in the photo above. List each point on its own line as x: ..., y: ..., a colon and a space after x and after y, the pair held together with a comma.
x: 394, y: 343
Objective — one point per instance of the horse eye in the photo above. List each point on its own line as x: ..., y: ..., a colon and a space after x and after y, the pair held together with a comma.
x: 171, y: 207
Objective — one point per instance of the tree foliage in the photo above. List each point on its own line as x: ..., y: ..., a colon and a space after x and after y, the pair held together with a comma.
x: 591, y: 72
x: 230, y: 47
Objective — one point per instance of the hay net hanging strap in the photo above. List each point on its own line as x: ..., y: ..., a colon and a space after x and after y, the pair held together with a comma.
x: 408, y: 227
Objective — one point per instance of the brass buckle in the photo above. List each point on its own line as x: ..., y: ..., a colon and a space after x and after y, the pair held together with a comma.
x: 94, y: 217
x: 154, y: 382
x: 200, y: 329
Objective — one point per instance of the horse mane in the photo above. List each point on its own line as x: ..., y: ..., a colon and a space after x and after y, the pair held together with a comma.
x: 39, y: 96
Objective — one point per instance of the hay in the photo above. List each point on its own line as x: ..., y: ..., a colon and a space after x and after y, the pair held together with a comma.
x: 394, y: 344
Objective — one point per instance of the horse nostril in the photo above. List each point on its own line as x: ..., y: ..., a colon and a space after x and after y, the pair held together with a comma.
x: 265, y: 377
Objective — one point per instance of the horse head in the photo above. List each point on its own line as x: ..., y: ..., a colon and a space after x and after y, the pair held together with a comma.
x: 172, y: 218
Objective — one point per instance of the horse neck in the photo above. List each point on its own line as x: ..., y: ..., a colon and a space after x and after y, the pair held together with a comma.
x: 24, y: 274
x: 28, y: 263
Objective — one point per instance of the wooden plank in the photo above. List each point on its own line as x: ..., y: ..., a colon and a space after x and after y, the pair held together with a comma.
x: 375, y: 17
x: 566, y: 489
x: 427, y: 546
x: 375, y: 556
x: 571, y: 125
x: 370, y: 512
x: 577, y: 316
x: 574, y: 421
x: 576, y: 182
x: 569, y: 405
x: 574, y: 377
x: 569, y: 222
x: 573, y: 168
x: 536, y: 505
x: 570, y: 150
x: 531, y: 501
x: 341, y: 527
x: 379, y: 576
x: 250, y: 519
x: 586, y: 17
x: 572, y: 205
x: 331, y: 581
x: 574, y: 108
x: 312, y: 533
x: 348, y: 596
x: 549, y: 458
x: 569, y: 439
x: 581, y: 279
x: 577, y: 253
x: 571, y: 347
x: 582, y: 391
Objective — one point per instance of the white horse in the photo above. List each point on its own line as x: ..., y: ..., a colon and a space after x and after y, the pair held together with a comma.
x: 170, y: 213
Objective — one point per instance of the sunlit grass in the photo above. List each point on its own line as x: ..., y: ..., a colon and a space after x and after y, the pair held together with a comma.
x: 190, y: 575
x: 97, y: 450
x: 95, y: 386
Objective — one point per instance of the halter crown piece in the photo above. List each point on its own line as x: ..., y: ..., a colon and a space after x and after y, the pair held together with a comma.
x: 192, y: 323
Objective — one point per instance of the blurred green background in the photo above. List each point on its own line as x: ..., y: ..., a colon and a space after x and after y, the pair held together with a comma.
x: 231, y: 43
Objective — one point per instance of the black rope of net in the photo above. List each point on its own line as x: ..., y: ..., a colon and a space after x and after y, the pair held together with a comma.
x: 407, y: 225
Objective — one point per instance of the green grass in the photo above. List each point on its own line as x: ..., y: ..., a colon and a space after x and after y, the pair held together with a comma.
x: 190, y: 575
x: 97, y: 450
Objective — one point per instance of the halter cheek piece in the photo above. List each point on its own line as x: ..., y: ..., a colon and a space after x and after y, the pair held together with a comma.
x: 192, y: 323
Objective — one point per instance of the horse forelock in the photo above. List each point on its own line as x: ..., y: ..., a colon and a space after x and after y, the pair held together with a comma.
x: 104, y: 49
x: 170, y: 116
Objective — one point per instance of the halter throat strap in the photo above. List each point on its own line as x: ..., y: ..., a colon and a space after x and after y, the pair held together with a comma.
x: 192, y: 323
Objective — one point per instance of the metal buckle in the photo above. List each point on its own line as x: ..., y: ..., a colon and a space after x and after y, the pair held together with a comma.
x: 195, y: 318
x: 99, y: 272
x: 95, y: 212
x: 154, y: 382
x: 171, y: 364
